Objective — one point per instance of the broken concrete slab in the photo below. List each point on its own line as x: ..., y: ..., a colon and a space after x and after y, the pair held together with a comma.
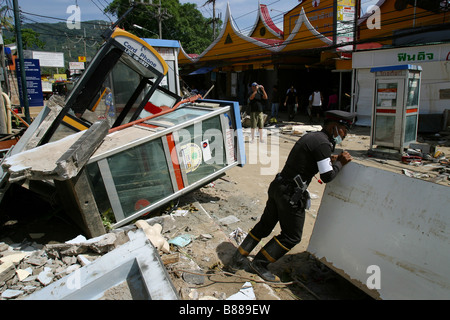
x: 136, y: 264
x: 59, y: 160
x: 13, y: 258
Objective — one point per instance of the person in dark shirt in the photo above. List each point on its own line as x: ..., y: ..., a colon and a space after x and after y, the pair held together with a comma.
x: 291, y: 102
x: 257, y: 100
x: 288, y: 197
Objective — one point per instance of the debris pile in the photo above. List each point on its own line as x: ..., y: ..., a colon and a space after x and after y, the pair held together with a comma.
x: 27, y: 267
x: 433, y: 159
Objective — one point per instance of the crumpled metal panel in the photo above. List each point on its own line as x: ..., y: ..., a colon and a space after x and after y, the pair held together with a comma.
x: 385, y: 232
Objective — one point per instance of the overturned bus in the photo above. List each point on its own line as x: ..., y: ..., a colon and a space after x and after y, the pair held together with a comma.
x: 153, y: 147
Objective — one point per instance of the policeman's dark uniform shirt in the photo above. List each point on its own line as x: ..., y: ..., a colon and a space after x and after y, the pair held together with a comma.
x: 310, y: 155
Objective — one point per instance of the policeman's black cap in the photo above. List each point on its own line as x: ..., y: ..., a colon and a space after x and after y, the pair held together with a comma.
x: 343, y: 117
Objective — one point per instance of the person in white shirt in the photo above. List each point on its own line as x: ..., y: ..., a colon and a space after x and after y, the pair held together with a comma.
x: 316, y: 100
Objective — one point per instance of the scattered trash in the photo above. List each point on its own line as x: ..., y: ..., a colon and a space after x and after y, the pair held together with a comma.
x: 411, y: 159
x: 153, y: 234
x: 181, y: 241
x: 205, y: 237
x: 228, y: 220
x: 192, y: 278
x: 238, y: 235
x: 246, y: 293
x: 179, y: 213
x: 412, y: 174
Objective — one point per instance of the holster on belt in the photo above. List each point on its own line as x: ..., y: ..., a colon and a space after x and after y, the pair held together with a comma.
x: 300, y: 195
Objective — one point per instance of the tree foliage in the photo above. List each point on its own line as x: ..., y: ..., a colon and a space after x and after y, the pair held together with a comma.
x: 182, y: 22
x: 30, y: 39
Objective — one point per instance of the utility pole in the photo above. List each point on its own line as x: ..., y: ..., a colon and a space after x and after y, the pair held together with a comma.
x: 160, y: 16
x: 214, y: 14
x: 21, y: 61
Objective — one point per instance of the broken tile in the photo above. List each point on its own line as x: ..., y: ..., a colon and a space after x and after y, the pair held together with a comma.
x: 22, y: 274
x: 13, y: 258
x: 36, y: 261
x: 83, y: 260
x: 46, y: 276
x: 9, y: 293
x: 29, y: 289
x: 69, y: 260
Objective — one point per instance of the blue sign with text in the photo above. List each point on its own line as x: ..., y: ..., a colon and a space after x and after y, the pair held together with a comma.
x: 34, y: 84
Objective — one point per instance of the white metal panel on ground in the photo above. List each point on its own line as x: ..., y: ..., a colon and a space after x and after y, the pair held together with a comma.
x: 385, y: 232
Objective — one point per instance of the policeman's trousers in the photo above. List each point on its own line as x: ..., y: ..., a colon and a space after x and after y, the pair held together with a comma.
x: 279, y: 209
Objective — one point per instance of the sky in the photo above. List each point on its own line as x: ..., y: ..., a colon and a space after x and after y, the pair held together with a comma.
x: 243, y: 11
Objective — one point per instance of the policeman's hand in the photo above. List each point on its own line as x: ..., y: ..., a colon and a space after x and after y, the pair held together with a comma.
x: 344, y: 158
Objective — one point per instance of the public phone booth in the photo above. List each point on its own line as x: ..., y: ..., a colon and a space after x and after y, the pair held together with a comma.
x: 395, y: 111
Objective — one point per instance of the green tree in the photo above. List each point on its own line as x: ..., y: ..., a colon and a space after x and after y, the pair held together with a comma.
x: 182, y: 22
x: 30, y: 39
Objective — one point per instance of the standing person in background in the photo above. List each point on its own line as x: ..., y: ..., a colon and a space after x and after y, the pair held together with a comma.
x: 332, y: 101
x: 291, y: 102
x: 256, y: 102
x: 275, y: 104
x: 316, y: 103
x: 110, y: 110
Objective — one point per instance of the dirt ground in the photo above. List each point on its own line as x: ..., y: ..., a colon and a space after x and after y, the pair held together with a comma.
x: 241, y: 194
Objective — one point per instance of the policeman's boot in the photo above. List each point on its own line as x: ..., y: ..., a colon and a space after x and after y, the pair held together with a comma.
x: 271, y: 252
x: 239, y: 259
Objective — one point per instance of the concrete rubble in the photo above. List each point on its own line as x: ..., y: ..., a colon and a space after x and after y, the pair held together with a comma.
x: 28, y: 267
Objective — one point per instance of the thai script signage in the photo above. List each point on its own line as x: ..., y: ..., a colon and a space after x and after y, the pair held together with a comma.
x: 421, y: 56
x: 414, y: 55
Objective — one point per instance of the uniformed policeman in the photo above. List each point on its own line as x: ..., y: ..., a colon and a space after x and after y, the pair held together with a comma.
x: 288, y: 197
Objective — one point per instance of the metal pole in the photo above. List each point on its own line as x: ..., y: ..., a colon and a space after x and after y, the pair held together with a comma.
x: 21, y: 61
x: 160, y: 20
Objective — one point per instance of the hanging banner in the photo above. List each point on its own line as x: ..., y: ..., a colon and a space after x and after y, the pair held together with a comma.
x: 34, y: 84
